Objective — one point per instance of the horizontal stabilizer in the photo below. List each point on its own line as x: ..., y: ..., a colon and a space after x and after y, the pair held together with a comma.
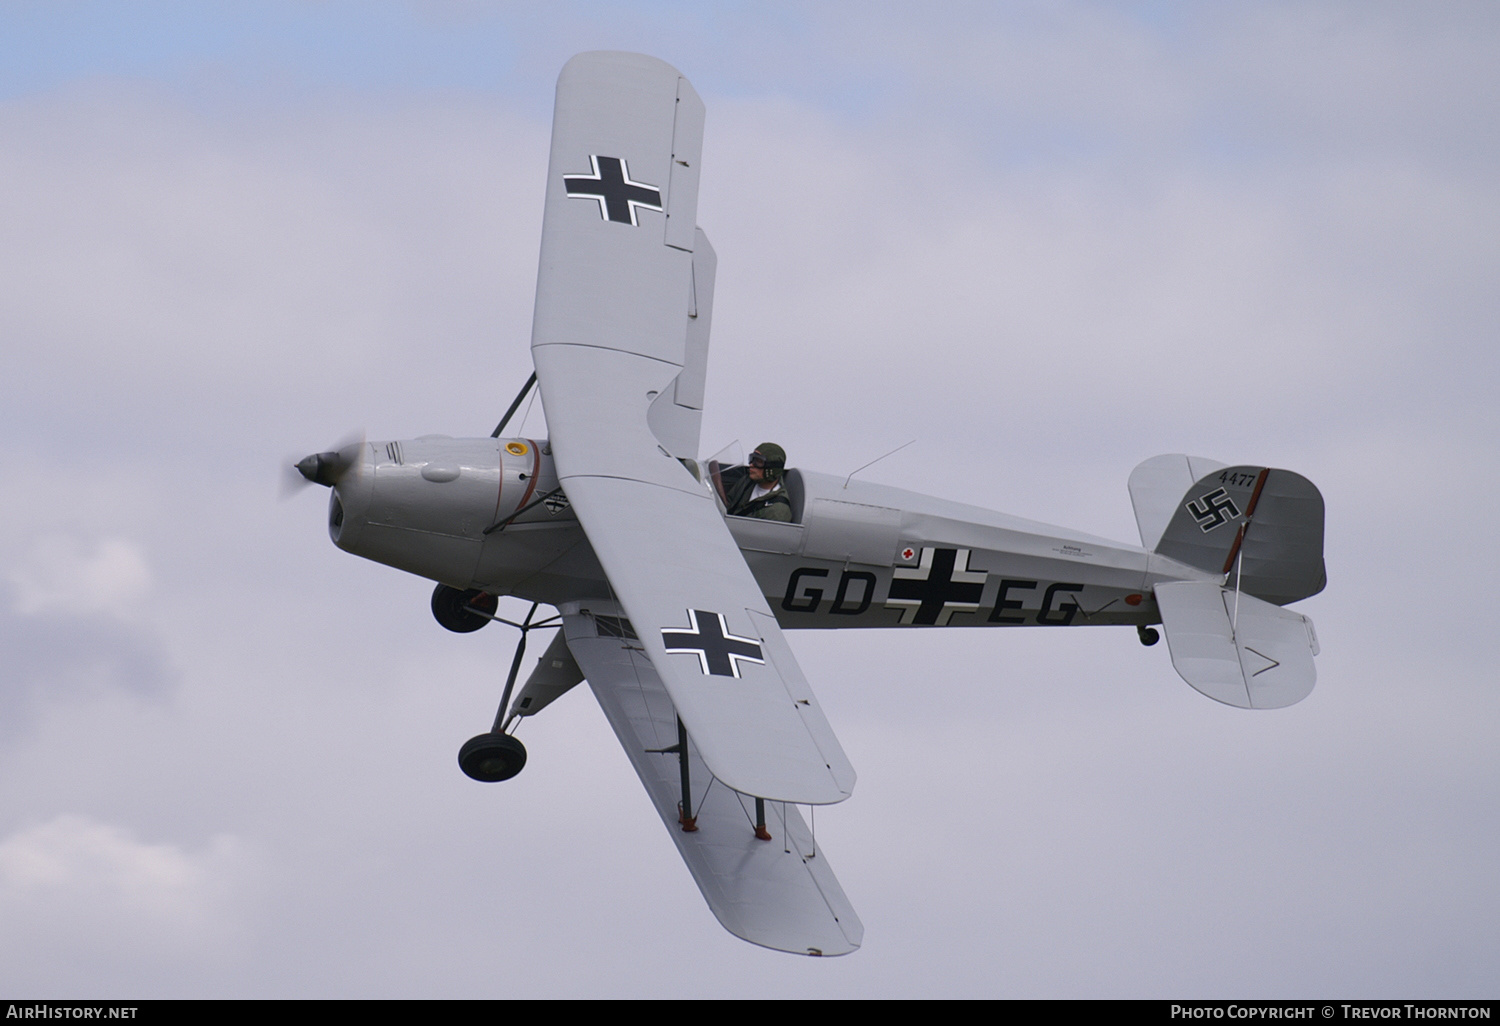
x: 1235, y: 648
x: 780, y: 893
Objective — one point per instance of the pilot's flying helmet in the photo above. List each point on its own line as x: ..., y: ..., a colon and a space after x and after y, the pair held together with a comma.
x: 772, y: 458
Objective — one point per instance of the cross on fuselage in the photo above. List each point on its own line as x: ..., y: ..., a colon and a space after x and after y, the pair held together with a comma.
x: 610, y: 185
x: 718, y: 651
x: 938, y: 590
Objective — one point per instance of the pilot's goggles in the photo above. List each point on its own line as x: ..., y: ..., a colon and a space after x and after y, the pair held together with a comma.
x: 757, y: 460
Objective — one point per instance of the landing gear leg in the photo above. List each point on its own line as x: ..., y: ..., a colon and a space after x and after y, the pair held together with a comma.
x: 497, y: 755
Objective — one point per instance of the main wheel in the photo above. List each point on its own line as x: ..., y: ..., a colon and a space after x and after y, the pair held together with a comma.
x: 450, y: 608
x: 491, y: 757
x: 1148, y: 635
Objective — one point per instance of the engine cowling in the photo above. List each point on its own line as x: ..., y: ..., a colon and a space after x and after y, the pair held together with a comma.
x: 423, y: 505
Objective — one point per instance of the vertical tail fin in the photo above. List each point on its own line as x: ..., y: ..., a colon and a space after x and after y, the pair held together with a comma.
x: 1157, y: 486
x: 1264, y: 524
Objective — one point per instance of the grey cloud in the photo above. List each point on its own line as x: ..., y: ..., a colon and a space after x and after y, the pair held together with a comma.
x: 52, y: 658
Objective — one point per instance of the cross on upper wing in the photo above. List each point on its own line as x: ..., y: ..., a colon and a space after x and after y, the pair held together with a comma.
x: 718, y: 651
x: 618, y: 196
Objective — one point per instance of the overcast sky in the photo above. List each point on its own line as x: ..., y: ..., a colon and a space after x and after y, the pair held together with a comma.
x: 1047, y: 241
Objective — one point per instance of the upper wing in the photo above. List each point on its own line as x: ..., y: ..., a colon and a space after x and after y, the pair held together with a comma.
x: 615, y: 298
x: 780, y: 893
x: 622, y: 198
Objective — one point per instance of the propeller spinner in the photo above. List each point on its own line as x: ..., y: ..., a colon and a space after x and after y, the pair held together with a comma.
x: 324, y: 468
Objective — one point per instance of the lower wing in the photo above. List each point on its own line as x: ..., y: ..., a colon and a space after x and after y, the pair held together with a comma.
x: 779, y: 893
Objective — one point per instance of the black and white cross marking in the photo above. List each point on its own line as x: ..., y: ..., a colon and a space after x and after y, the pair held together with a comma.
x: 610, y: 185
x: 707, y: 636
x: 1213, y: 509
x: 939, y: 586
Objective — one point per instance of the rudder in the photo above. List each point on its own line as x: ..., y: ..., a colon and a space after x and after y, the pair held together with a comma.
x: 1265, y: 522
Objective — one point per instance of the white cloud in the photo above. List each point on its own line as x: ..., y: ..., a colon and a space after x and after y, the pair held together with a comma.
x: 57, y: 573
x: 75, y: 890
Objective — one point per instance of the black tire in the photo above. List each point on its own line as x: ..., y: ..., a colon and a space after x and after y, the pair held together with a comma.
x: 449, y: 608
x: 489, y: 758
x: 1149, y: 635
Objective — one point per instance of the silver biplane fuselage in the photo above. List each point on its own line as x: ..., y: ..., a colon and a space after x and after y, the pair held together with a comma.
x: 856, y: 554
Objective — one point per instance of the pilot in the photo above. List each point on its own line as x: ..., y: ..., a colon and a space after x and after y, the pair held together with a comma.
x: 758, y: 490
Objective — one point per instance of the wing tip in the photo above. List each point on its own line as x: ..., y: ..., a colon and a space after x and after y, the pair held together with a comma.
x: 615, y: 59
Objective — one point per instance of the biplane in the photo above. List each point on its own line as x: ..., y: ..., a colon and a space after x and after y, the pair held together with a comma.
x: 675, y: 613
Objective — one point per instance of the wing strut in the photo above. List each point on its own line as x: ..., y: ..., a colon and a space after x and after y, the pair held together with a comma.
x: 500, y: 525
x: 514, y: 406
x: 685, y: 807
